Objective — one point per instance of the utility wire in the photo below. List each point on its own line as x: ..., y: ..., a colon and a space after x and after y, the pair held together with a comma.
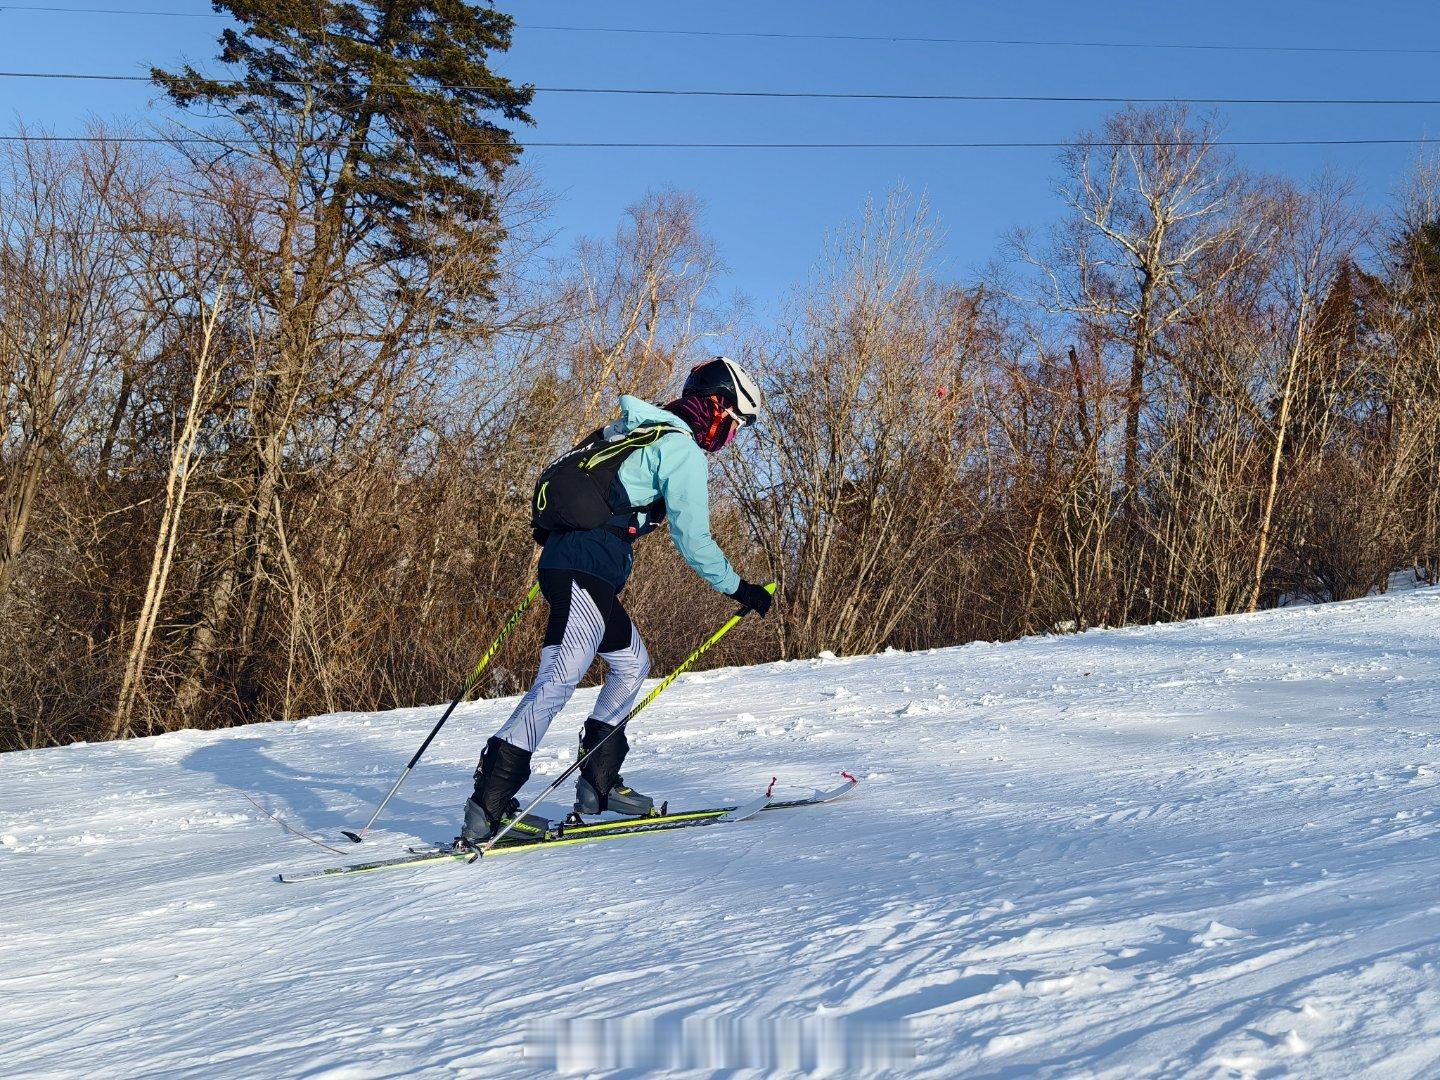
x: 864, y: 95
x: 111, y: 11
x: 1022, y: 42
x: 781, y: 36
x: 547, y: 144
x: 824, y: 95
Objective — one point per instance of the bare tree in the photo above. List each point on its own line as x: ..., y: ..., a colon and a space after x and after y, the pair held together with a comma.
x: 186, y: 424
x: 1159, y: 219
x: 62, y: 261
x: 868, y: 389
x: 642, y: 299
x: 1320, y: 232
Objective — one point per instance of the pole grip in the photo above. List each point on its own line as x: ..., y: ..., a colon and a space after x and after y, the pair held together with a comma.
x: 770, y: 588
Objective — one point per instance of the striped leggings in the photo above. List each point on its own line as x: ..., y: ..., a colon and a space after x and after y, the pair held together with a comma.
x: 586, y: 619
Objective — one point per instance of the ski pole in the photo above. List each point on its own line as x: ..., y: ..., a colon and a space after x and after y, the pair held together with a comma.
x: 730, y: 624
x: 514, y: 618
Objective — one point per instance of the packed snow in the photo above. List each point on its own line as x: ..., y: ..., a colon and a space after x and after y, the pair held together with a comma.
x: 1207, y: 849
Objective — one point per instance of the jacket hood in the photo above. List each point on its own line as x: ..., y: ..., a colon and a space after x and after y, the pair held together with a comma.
x: 635, y: 411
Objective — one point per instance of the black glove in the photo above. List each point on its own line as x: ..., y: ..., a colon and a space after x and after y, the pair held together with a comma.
x: 755, y: 597
x: 540, y: 535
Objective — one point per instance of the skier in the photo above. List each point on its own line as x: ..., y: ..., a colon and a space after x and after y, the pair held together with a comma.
x: 642, y: 469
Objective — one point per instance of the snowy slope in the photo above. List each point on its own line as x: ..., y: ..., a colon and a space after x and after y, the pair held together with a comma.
x: 1206, y: 849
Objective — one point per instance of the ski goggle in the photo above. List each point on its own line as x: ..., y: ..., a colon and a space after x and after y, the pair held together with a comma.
x: 724, y: 423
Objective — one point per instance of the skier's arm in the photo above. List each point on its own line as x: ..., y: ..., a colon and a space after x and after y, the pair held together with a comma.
x: 684, y: 484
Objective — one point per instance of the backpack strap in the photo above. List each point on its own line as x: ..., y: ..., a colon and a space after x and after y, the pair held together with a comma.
x: 643, y: 436
x: 627, y: 523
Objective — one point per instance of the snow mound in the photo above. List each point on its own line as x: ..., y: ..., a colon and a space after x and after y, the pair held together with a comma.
x: 1195, y: 850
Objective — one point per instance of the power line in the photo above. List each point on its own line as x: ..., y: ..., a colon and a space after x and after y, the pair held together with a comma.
x: 111, y: 11
x: 823, y: 95
x: 783, y: 36
x: 548, y: 144
x: 865, y: 95
x: 1021, y: 42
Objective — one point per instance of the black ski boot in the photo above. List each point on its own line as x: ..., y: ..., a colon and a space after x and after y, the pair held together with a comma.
x: 601, y: 773
x: 502, y: 772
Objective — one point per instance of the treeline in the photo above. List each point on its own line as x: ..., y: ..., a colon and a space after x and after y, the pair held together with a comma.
x: 268, y: 442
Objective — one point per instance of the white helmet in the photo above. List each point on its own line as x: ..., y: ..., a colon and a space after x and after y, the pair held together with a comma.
x: 725, y: 377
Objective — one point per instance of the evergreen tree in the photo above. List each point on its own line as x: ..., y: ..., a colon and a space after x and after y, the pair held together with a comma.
x: 356, y: 211
x: 1414, y: 285
x: 385, y: 109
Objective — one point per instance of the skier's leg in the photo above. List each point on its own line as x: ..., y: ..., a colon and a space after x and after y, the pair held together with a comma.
x: 579, y: 608
x: 579, y: 605
x: 600, y: 786
x: 627, y: 663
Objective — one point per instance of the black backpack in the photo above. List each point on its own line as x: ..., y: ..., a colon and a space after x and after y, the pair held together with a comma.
x: 573, y: 493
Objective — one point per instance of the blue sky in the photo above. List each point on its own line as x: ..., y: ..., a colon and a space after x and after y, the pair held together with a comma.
x: 769, y: 210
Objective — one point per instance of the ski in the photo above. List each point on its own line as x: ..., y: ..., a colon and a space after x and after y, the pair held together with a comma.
x: 437, y: 854
x: 597, y: 828
x: 571, y: 835
x: 656, y: 822
x: 574, y: 830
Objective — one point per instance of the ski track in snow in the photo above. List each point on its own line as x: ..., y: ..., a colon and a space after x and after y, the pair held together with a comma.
x: 1206, y: 849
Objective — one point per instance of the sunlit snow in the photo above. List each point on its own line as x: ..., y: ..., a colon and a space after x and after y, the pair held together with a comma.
x: 1201, y: 849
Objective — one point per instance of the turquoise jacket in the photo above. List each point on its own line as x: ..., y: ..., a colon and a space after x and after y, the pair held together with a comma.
x: 672, y: 468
